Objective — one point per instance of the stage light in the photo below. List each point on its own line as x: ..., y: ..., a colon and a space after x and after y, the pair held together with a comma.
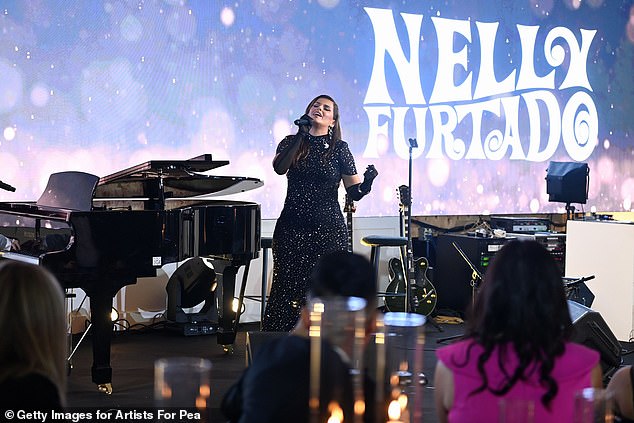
x: 192, y: 283
x: 567, y: 182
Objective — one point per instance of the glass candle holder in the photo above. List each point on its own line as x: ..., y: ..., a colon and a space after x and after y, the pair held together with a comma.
x: 337, y: 339
x: 182, y: 382
x: 400, y: 368
x: 593, y: 405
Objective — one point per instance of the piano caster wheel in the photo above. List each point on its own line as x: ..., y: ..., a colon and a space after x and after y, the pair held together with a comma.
x: 105, y: 388
x: 228, y: 349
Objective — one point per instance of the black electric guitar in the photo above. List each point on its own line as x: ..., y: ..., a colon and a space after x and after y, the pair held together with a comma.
x: 349, y: 208
x: 423, y: 292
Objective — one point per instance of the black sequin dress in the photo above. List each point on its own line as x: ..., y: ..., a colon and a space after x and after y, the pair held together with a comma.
x: 311, y: 224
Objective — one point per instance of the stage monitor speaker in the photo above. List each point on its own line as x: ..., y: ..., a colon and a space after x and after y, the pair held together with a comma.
x: 590, y: 329
x: 567, y: 182
x: 255, y: 340
x: 581, y: 294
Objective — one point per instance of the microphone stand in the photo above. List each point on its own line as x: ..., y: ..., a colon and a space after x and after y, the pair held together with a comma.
x: 410, y: 250
x: 409, y: 267
x: 476, y: 278
x: 573, y: 282
x: 573, y: 290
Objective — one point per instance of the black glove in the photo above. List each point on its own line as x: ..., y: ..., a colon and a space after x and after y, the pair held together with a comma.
x: 304, y: 123
x: 368, y: 177
x: 358, y: 191
x: 283, y: 160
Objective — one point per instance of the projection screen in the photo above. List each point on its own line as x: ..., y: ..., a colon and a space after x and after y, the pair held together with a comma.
x: 491, y: 90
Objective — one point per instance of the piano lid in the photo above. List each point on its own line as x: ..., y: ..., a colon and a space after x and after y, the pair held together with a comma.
x: 165, y: 169
x: 173, y: 179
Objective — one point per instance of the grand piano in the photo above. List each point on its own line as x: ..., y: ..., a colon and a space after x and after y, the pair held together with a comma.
x: 101, y: 234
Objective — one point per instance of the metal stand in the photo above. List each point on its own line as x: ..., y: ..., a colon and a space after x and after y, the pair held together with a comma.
x: 410, y: 259
x: 570, y: 212
x: 69, y: 310
x: 409, y: 267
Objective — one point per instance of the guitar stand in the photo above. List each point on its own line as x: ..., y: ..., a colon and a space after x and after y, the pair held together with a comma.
x: 434, y: 324
x: 476, y: 278
x: 474, y: 287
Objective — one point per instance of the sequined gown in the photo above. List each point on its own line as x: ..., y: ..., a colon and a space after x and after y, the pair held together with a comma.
x: 311, y: 224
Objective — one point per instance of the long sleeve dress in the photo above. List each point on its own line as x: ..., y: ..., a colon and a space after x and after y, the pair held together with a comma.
x: 310, y: 225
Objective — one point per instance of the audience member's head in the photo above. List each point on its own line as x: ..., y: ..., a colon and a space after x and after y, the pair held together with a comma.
x: 522, y: 298
x: 343, y: 274
x: 277, y: 385
x: 522, y: 302
x: 32, y: 324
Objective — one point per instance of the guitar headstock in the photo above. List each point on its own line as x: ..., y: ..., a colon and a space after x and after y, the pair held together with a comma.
x: 404, y: 196
x: 349, y: 206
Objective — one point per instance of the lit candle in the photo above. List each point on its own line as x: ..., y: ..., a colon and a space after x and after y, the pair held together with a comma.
x: 394, y: 412
x: 336, y: 413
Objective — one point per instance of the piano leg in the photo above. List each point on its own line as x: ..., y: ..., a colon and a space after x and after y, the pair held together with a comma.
x: 227, y: 317
x: 100, y: 308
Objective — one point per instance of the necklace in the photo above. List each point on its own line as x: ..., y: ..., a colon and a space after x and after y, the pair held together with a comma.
x: 320, y: 140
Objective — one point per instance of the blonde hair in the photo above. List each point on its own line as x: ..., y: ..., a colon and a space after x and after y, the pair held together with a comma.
x: 32, y: 324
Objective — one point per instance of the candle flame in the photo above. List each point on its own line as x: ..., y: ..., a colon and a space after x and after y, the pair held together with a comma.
x: 166, y: 391
x: 201, y: 403
x: 336, y: 413
x: 402, y: 401
x: 394, y: 410
x: 359, y: 407
x: 204, y: 391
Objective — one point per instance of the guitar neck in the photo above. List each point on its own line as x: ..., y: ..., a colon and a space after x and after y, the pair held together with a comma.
x: 405, y: 226
x: 349, y: 223
x: 406, y: 232
x: 349, y: 209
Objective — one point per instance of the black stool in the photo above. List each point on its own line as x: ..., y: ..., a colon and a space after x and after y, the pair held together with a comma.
x: 378, y: 241
x: 266, y: 244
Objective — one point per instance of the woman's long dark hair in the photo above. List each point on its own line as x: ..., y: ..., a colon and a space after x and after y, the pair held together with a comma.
x: 302, y: 151
x: 521, y: 303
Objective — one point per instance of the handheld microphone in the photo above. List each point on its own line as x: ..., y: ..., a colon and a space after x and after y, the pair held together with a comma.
x: 303, y: 121
x: 6, y: 186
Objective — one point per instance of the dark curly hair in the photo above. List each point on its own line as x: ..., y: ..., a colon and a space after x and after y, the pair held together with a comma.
x: 521, y: 303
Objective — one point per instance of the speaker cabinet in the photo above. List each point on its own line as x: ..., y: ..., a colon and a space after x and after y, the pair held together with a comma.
x: 567, y: 182
x: 590, y: 329
x: 453, y: 275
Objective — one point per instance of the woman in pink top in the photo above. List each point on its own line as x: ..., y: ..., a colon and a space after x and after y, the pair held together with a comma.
x: 516, y: 345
